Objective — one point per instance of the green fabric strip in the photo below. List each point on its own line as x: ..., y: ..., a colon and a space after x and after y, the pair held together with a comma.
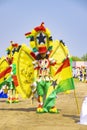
x: 65, y: 85
x: 50, y: 101
x: 14, y: 68
x: 7, y: 82
x: 42, y: 87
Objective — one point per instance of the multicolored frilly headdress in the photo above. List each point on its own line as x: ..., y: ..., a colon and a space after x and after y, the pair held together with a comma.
x: 14, y: 47
x: 40, y: 37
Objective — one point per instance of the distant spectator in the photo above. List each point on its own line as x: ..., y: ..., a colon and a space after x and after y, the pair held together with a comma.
x: 74, y: 72
x: 81, y: 75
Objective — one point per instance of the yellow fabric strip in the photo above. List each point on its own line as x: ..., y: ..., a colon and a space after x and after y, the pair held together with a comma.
x: 66, y: 73
x: 5, y: 77
x: 49, y: 91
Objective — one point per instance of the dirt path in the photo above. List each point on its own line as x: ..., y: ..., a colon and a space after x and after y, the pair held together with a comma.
x: 23, y: 116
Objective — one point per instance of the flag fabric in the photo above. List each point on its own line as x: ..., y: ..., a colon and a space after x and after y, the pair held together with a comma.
x: 4, y: 75
x: 65, y: 77
x: 6, y: 71
x: 63, y: 82
x: 9, y: 75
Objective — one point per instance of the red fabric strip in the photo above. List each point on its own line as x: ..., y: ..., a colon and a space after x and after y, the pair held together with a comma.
x: 15, y: 80
x: 65, y: 64
x: 3, y: 73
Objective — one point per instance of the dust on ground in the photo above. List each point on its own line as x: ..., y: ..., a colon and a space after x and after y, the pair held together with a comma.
x: 23, y: 116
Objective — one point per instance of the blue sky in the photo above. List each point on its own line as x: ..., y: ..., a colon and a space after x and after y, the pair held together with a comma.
x: 66, y: 19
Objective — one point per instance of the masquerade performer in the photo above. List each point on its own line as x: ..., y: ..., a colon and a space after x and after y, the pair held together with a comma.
x: 8, y: 76
x: 43, y: 69
x: 44, y: 79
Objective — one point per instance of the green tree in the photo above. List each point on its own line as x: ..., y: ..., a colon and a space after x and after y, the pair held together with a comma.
x: 75, y: 58
x: 84, y: 57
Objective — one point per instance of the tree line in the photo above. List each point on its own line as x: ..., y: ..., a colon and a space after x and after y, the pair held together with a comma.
x: 83, y: 58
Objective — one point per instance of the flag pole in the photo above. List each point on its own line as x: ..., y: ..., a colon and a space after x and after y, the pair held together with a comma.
x: 76, y: 102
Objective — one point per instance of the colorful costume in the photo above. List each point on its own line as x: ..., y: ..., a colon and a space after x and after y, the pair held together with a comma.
x: 44, y: 79
x: 43, y: 70
x: 8, y: 76
x: 48, y: 57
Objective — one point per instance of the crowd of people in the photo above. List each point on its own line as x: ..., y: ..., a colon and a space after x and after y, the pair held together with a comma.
x: 80, y: 73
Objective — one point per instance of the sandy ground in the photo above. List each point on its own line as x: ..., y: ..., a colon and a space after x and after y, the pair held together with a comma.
x: 23, y: 116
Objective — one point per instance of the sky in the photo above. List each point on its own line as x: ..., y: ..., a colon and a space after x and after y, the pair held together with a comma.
x: 66, y: 19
